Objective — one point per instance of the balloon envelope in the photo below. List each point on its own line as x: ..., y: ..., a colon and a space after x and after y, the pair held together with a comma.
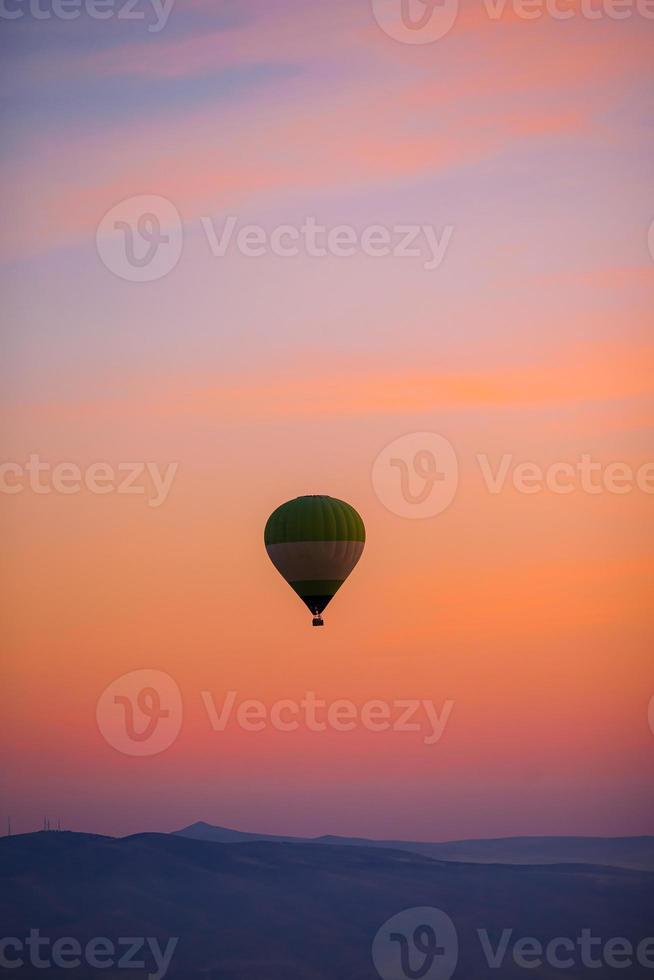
x: 314, y: 543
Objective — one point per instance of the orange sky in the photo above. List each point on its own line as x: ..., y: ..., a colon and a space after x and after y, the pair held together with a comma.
x: 266, y: 378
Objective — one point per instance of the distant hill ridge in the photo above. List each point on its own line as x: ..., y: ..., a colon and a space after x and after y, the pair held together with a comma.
x: 270, y: 910
x: 619, y: 852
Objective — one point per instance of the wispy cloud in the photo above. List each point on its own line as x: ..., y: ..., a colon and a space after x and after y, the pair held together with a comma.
x: 590, y: 373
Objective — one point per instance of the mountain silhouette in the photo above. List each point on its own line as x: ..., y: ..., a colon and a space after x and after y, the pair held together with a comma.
x: 267, y: 910
x: 619, y: 852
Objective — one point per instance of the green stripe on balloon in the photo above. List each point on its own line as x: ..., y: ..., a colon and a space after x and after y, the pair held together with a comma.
x: 315, y: 518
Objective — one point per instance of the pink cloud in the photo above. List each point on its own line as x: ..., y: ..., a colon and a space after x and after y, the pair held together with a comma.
x: 418, y: 113
x: 203, y: 168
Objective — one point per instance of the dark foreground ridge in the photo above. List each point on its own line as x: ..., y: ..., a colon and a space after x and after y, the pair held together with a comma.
x: 298, y: 911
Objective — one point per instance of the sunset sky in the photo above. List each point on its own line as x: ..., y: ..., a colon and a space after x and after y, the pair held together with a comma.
x: 269, y: 377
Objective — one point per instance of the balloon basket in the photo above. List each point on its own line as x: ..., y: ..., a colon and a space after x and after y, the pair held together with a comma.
x: 317, y: 621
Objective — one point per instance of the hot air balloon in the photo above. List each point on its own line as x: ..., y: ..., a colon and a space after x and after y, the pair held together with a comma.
x: 314, y: 543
